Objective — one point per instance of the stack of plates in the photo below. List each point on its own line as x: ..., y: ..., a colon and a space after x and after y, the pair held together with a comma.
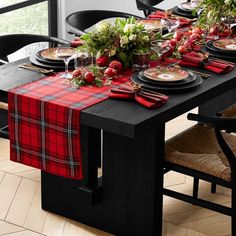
x: 49, y: 59
x: 184, y: 9
x: 167, y: 79
x: 222, y: 48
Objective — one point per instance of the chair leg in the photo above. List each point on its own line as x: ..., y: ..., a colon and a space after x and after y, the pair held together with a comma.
x: 233, y: 217
x: 213, y: 187
x: 195, y: 187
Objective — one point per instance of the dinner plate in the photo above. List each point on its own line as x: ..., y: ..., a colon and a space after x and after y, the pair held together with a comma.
x: 165, y: 74
x: 220, y: 55
x: 57, y: 54
x: 166, y: 89
x: 57, y: 67
x: 191, y: 78
x: 225, y: 44
x: 184, y: 13
x: 185, y: 6
x: 151, y: 24
x: 210, y: 46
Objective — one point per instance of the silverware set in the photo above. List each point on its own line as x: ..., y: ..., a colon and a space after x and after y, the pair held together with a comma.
x: 35, y: 68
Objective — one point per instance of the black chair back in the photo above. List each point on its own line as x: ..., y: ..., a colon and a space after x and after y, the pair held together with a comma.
x: 13, y: 42
x: 78, y: 22
x: 148, y: 6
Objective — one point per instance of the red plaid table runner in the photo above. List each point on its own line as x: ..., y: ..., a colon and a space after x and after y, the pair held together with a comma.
x: 44, y: 124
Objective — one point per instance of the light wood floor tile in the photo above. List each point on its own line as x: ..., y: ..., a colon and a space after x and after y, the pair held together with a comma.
x: 8, y: 188
x: 54, y: 225
x: 22, y: 202
x: 36, y: 217
x: 2, y: 174
x: 34, y: 175
x: 25, y: 233
x: 6, y: 228
x: 13, y: 167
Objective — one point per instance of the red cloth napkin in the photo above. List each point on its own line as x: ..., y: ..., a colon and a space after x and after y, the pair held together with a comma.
x: 161, y: 14
x: 194, y: 59
x: 148, y: 99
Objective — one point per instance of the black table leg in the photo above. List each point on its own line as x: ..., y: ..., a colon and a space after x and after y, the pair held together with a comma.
x: 131, y: 201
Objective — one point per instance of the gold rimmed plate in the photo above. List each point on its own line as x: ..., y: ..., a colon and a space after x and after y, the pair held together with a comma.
x: 166, y: 74
x: 225, y: 44
x: 151, y: 24
x: 171, y: 89
x: 191, y: 78
x: 51, y: 54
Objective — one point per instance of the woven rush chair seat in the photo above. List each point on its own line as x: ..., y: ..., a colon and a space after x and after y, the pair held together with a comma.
x: 198, y: 149
x: 229, y: 112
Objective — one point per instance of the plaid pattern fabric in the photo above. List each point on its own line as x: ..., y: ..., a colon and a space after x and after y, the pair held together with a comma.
x: 44, y: 124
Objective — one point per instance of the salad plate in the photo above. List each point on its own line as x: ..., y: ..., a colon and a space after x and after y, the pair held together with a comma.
x: 166, y: 74
x: 225, y: 44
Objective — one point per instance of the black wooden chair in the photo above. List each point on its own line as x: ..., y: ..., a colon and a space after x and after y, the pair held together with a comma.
x: 9, y: 44
x: 205, y: 151
x: 78, y: 22
x: 148, y: 6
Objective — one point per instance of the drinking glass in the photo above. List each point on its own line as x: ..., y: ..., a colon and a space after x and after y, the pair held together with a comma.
x: 66, y: 56
x: 170, y: 22
x: 228, y: 21
x: 81, y: 59
x: 160, y: 47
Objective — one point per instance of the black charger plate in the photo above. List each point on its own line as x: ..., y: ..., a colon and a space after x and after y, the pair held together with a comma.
x: 57, y: 67
x: 191, y: 78
x: 219, y: 55
x: 180, y: 12
x: 210, y: 46
x: 181, y: 7
x: 183, y: 88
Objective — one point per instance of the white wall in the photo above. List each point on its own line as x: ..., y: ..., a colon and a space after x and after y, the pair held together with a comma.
x: 68, y: 6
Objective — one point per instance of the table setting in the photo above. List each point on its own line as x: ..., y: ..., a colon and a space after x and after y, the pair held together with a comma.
x: 128, y: 61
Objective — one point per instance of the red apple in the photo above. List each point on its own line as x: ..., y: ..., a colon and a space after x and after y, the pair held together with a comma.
x: 110, y: 72
x: 89, y: 77
x: 116, y: 65
x: 182, y: 49
x: 102, y: 61
x: 76, y: 73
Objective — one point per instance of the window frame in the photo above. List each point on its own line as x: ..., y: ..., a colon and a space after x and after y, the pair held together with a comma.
x: 52, y: 12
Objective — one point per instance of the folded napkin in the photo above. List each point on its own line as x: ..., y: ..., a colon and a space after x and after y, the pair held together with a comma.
x: 129, y: 91
x: 161, y: 14
x: 76, y: 42
x: 194, y: 59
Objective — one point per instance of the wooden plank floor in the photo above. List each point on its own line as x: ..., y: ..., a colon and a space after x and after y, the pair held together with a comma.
x: 21, y: 214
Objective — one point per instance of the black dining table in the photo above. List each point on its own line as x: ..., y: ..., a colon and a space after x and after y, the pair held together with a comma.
x: 130, y: 139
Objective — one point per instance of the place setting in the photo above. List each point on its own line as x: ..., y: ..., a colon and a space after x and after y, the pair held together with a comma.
x: 167, y: 79
x: 222, y: 48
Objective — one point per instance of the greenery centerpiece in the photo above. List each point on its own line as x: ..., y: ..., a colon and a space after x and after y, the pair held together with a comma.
x: 212, y: 11
x: 118, y: 40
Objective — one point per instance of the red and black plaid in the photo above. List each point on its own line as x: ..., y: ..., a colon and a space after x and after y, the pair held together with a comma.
x: 44, y: 124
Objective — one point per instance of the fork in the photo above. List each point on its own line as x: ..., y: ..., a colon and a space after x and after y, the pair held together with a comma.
x: 35, y: 68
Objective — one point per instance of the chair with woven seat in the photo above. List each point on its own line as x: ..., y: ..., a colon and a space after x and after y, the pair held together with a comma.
x: 205, y: 151
x: 8, y: 45
x: 78, y: 22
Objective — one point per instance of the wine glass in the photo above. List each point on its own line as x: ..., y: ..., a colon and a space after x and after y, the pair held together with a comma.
x: 66, y: 54
x: 170, y: 22
x: 160, y: 47
x: 228, y: 21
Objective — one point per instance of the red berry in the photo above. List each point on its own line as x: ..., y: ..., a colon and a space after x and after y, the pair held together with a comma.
x: 102, y: 61
x: 116, y: 65
x: 89, y: 77
x: 76, y: 73
x: 110, y: 72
